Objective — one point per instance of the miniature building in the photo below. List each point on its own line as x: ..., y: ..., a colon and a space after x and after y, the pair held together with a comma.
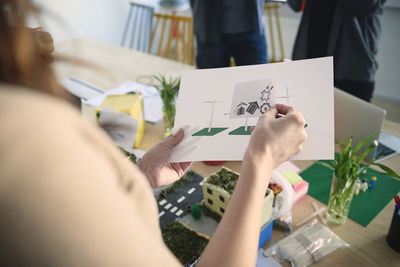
x: 131, y: 104
x: 217, y: 199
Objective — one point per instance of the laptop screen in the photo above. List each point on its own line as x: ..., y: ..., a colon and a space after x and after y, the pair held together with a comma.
x: 356, y: 118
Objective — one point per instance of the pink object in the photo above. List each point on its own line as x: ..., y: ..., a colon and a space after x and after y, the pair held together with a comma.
x: 213, y: 163
x: 287, y: 166
x: 300, y: 190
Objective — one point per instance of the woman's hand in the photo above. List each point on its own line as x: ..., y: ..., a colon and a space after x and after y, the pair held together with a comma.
x: 154, y: 163
x: 278, y: 135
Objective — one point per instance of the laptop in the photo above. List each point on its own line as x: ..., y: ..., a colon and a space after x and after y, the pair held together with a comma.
x: 360, y: 119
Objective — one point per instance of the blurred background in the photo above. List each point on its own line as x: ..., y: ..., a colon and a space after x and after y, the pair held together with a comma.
x: 104, y: 20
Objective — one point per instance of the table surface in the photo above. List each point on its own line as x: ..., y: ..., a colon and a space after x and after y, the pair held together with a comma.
x: 107, y: 67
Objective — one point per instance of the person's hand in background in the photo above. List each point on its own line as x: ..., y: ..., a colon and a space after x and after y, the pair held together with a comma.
x: 155, y: 166
x: 45, y: 43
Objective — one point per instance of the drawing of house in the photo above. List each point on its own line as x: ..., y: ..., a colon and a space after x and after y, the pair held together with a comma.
x: 240, y: 109
x: 252, y: 107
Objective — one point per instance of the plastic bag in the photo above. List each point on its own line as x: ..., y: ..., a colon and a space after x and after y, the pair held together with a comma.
x: 282, y: 211
x: 305, y: 246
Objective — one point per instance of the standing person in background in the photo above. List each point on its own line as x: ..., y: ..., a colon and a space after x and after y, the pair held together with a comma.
x: 68, y: 197
x: 229, y: 28
x: 349, y: 31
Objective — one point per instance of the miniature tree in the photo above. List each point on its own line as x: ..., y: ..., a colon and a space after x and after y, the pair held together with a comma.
x: 196, y: 211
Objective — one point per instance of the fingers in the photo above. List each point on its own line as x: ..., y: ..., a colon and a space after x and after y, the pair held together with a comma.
x: 299, y: 149
x: 284, y: 109
x: 304, y: 136
x: 178, y: 169
x: 271, y: 113
x: 186, y: 165
x: 174, y: 139
x: 291, y: 113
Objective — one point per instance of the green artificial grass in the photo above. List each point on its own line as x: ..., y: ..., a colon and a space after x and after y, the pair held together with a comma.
x: 184, y: 243
x: 224, y: 179
x: 188, y: 177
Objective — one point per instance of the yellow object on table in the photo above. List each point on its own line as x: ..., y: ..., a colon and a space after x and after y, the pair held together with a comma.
x: 293, y: 177
x: 217, y: 198
x: 131, y: 104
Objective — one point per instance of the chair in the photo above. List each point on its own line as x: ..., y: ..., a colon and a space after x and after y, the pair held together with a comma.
x: 175, y: 37
x: 269, y: 8
x: 138, y: 27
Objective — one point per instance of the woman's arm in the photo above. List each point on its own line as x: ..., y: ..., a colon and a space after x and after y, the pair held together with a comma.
x: 273, y: 141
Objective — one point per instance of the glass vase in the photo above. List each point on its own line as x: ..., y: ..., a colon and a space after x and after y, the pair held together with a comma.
x: 342, y: 192
x: 169, y: 118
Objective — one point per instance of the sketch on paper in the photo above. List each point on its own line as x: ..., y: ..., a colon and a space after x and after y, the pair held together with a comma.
x: 251, y: 99
x: 218, y: 107
x: 210, y: 131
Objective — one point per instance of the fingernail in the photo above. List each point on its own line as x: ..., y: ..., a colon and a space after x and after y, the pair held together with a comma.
x: 305, y: 125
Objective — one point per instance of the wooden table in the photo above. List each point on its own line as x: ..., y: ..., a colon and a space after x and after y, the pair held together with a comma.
x: 112, y: 66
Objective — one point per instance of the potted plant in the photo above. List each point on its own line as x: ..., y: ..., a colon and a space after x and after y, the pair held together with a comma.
x: 348, y: 168
x: 168, y: 90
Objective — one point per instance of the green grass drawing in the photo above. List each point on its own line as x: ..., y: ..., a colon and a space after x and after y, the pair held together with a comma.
x: 241, y: 131
x: 212, y: 132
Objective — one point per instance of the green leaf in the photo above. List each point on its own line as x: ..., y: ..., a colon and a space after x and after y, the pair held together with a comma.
x: 361, y: 157
x: 328, y: 165
x: 342, y: 144
x: 363, y: 142
x: 168, y: 90
x: 388, y: 170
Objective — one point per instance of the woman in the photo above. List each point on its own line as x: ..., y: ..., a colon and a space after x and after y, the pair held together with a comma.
x: 69, y: 198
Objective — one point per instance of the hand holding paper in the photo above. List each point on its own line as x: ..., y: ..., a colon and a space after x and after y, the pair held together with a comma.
x: 279, y: 138
x: 223, y: 104
x: 155, y: 166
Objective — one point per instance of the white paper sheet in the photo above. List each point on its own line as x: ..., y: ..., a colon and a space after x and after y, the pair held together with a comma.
x: 80, y: 88
x: 206, y: 97
x: 152, y: 101
x: 121, y: 127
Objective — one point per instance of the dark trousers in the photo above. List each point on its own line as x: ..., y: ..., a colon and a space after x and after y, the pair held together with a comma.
x: 363, y: 90
x: 245, y: 48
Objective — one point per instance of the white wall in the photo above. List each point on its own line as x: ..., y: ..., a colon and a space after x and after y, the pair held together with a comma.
x: 388, y: 75
x: 104, y: 20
